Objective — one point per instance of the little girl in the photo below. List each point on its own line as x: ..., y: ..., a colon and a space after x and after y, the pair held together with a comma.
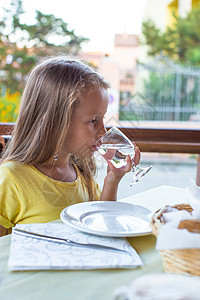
x: 49, y: 162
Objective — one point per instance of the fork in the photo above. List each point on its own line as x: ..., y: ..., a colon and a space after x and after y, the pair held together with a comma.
x: 67, y: 240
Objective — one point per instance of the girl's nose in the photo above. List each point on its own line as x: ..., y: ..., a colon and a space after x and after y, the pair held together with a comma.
x: 102, y: 130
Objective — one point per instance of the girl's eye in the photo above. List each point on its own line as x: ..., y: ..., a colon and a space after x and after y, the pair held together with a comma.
x: 93, y: 121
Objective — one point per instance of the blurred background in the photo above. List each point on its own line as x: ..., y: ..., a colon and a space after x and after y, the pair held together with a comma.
x: 149, y: 51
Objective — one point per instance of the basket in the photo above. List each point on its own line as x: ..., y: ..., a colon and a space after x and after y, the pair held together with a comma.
x: 181, y: 261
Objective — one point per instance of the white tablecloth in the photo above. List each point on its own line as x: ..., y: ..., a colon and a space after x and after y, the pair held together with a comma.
x: 87, y: 284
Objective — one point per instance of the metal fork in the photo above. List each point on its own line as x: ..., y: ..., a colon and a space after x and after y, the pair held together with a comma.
x: 68, y: 241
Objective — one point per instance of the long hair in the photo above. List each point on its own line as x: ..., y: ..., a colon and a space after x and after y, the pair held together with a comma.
x: 51, y: 95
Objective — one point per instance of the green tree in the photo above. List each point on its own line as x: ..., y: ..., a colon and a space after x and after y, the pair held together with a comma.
x: 21, y: 45
x: 180, y: 42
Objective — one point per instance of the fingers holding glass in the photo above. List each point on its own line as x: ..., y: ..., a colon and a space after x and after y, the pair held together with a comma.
x: 116, y: 147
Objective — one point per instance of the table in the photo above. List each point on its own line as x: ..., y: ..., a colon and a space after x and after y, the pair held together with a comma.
x: 88, y: 284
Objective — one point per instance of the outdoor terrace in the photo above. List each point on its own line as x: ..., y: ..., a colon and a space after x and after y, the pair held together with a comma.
x: 171, y: 147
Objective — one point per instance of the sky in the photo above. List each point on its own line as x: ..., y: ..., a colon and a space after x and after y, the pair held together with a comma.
x: 98, y: 20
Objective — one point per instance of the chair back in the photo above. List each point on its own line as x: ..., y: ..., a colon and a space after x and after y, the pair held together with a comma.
x: 3, y: 141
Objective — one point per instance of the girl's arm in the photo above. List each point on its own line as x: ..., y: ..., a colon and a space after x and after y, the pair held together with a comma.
x: 114, y: 175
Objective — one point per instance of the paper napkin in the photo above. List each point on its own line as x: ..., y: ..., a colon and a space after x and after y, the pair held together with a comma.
x: 170, y: 237
x: 193, y: 194
x: 27, y: 253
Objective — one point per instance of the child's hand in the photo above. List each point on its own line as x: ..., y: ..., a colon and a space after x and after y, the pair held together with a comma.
x: 114, y: 174
x: 136, y: 159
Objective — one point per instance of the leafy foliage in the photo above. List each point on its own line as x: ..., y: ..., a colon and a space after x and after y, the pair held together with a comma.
x: 180, y: 42
x: 21, y: 45
x: 9, y: 107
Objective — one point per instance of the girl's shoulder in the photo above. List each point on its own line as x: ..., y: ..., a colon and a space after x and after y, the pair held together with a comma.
x: 17, y: 172
x: 13, y: 167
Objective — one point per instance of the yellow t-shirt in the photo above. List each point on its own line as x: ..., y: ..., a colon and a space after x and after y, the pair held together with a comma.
x: 29, y: 196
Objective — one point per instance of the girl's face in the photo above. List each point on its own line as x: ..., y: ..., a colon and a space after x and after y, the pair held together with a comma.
x: 87, y: 124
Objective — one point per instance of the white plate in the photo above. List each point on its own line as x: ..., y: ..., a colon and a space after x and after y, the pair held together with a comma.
x: 108, y: 218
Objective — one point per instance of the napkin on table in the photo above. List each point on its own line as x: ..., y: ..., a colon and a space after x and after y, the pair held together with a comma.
x: 170, y: 237
x: 27, y: 253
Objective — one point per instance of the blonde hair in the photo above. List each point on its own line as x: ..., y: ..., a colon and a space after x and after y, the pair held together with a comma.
x: 51, y: 94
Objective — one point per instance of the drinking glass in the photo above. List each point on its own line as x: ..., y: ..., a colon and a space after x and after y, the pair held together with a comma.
x: 115, y: 146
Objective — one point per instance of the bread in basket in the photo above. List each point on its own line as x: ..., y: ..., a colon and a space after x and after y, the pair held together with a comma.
x: 182, y: 261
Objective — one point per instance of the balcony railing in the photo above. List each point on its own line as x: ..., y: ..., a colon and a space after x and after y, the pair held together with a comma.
x: 160, y: 140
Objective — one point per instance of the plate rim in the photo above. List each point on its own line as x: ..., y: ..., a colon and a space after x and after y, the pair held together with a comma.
x: 79, y: 226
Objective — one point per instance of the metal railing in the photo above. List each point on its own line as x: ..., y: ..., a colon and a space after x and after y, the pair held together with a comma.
x: 165, y: 92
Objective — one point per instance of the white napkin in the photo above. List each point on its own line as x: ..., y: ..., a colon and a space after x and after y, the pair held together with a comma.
x: 170, y: 237
x: 193, y: 195
x: 27, y: 253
